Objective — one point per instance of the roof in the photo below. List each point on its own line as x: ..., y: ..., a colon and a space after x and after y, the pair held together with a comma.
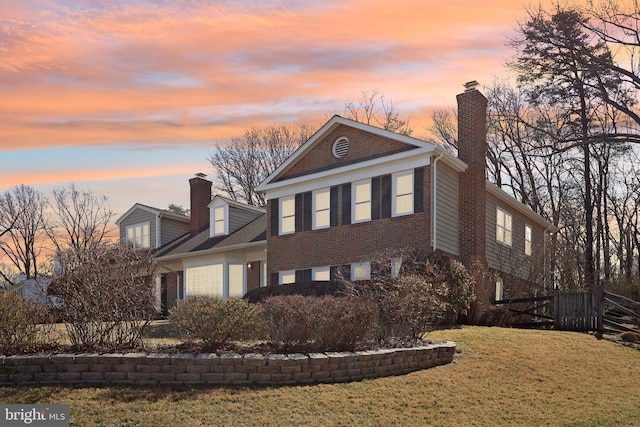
x: 155, y: 211
x: 199, y: 243
x: 236, y: 204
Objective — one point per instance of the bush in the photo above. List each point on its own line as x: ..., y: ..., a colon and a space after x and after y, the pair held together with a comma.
x: 106, y: 295
x: 306, y: 323
x: 407, y: 306
x: 306, y: 288
x: 22, y: 324
x: 215, y: 321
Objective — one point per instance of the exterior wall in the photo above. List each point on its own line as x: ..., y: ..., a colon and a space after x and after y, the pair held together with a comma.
x: 253, y: 275
x: 348, y: 243
x: 363, y: 145
x: 238, y: 218
x: 171, y: 229
x: 511, y: 260
x: 447, y: 209
x: 139, y: 216
x: 184, y: 369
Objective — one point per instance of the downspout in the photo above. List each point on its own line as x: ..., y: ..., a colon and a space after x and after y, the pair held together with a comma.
x: 544, y: 257
x: 434, y: 196
x: 158, y: 235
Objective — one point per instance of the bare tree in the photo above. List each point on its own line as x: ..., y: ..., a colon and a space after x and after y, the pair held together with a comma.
x: 244, y: 162
x: 374, y: 109
x: 22, y: 215
x: 80, y: 219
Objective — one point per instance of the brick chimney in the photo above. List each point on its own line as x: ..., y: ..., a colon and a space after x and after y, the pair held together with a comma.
x: 472, y: 149
x: 200, y: 198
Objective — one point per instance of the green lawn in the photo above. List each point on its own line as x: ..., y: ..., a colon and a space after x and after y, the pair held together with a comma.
x: 500, y: 377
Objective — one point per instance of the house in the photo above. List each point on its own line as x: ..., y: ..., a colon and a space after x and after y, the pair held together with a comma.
x: 354, y: 190
x: 348, y: 193
x: 220, y: 250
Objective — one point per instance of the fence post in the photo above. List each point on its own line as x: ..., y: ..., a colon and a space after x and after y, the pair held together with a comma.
x: 600, y: 308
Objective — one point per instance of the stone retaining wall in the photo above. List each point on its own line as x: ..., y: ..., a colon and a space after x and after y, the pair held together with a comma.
x: 212, y: 369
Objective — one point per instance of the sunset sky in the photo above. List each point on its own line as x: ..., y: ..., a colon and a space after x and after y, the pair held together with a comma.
x: 127, y: 98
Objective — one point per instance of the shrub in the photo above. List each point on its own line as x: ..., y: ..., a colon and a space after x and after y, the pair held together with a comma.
x: 306, y: 288
x: 407, y: 306
x: 306, y: 323
x: 215, y: 321
x: 22, y: 324
x: 106, y: 296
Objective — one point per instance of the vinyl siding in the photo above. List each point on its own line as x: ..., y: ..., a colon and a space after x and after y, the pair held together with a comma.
x: 139, y: 216
x: 238, y: 218
x: 171, y: 229
x: 447, y: 209
x: 512, y: 260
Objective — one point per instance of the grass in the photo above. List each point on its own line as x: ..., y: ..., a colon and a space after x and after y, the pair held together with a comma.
x: 500, y: 377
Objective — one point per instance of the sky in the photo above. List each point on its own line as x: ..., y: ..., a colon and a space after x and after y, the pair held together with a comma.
x: 128, y: 98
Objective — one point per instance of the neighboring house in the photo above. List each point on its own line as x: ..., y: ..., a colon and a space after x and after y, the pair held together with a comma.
x: 33, y: 289
x: 353, y: 191
x: 220, y: 250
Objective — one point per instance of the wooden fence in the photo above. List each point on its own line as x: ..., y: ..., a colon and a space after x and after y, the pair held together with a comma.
x: 596, y: 311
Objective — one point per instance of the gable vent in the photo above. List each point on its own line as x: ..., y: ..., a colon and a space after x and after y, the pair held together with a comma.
x: 340, y: 147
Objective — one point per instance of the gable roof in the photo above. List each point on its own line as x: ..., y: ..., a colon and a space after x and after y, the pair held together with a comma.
x: 239, y: 205
x: 415, y: 147
x: 154, y: 211
x: 252, y: 234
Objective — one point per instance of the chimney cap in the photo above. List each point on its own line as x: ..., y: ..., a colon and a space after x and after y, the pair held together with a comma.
x: 471, y: 86
x: 201, y: 175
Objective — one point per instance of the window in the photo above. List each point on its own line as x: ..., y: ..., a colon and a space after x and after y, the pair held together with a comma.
x: 205, y: 280
x: 528, y: 234
x: 236, y: 280
x: 503, y: 227
x: 361, y: 271
x: 286, y: 277
x: 361, y: 201
x: 321, y: 274
x: 499, y: 289
x: 138, y: 236
x: 219, y: 222
x: 287, y: 215
x: 396, y: 264
x: 403, y: 193
x: 321, y: 208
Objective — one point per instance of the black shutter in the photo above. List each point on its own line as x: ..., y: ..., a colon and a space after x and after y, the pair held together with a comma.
x: 275, y: 278
x: 418, y: 190
x: 375, y: 198
x: 346, y: 204
x: 333, y: 272
x: 299, y: 213
x: 333, y: 212
x: 386, y: 196
x: 308, y: 206
x: 307, y: 275
x: 303, y: 276
x: 275, y: 217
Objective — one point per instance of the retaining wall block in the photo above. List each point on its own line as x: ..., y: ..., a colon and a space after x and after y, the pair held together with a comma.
x: 207, y: 359
x: 183, y: 359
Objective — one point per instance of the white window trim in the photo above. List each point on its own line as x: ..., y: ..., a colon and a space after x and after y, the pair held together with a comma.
x: 319, y: 270
x: 354, y: 220
x: 286, y: 273
x: 134, y: 227
x: 394, y: 192
x: 499, y: 295
x: 354, y: 266
x: 528, y: 243
x: 501, y: 239
x: 225, y: 219
x: 315, y: 209
x: 281, y: 201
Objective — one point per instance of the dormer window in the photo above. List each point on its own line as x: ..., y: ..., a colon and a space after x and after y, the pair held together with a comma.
x: 138, y: 236
x: 219, y: 218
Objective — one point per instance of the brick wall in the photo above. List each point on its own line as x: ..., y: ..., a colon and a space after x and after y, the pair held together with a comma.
x: 363, y: 145
x: 346, y: 244
x: 212, y: 369
x: 200, y: 197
